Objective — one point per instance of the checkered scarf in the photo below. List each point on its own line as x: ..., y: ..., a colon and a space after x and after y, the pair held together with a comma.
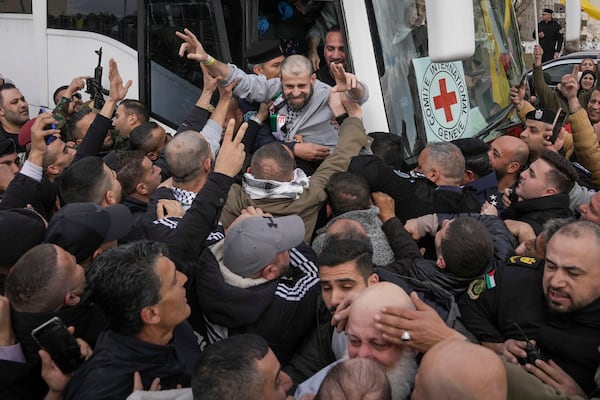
x: 268, y: 189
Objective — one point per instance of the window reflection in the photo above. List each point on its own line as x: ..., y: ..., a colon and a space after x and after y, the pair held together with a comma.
x: 15, y: 6
x: 113, y: 18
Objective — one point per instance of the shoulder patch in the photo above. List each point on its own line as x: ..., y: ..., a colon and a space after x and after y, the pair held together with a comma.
x: 527, y: 262
x: 480, y: 285
x: 476, y: 287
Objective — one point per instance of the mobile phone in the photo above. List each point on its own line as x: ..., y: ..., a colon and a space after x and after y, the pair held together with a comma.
x: 559, y: 122
x: 54, y: 337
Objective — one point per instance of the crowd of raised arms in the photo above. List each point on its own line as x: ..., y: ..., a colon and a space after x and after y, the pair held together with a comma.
x: 271, y: 249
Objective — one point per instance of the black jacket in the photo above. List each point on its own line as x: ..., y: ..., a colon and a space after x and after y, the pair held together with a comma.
x: 138, y: 209
x: 108, y: 373
x: 539, y: 210
x: 570, y: 339
x: 414, y: 197
x: 281, y: 310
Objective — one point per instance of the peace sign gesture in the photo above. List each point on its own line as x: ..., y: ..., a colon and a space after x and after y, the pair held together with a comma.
x: 231, y: 156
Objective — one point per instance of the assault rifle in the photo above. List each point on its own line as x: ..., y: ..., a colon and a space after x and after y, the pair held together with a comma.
x: 94, y: 85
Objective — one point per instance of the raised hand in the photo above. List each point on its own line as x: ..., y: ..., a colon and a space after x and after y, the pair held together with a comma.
x: 193, y: 47
x: 232, y: 155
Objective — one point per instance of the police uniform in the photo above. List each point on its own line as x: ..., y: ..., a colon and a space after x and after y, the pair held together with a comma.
x: 553, y: 37
x: 516, y: 302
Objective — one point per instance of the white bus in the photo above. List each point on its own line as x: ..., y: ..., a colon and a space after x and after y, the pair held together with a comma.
x: 44, y: 44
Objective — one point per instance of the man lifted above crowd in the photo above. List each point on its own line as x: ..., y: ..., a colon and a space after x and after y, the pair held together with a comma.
x: 306, y: 112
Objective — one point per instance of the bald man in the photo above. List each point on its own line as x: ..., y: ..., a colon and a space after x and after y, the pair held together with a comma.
x: 508, y: 156
x: 456, y: 369
x: 365, y: 341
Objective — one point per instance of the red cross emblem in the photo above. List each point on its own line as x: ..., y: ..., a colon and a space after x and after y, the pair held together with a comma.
x: 445, y: 100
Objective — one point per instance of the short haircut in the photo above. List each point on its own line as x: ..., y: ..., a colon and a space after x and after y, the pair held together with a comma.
x: 562, y: 175
x: 468, y: 247
x: 84, y: 182
x: 124, y: 281
x: 577, y: 229
x: 553, y: 225
x: 449, y: 158
x: 141, y: 137
x: 340, y: 251
x: 390, y: 149
x: 334, y: 28
x: 136, y: 107
x: 280, y: 169
x: 57, y: 91
x: 358, y: 378
x: 347, y: 191
x: 185, y: 154
x: 228, y: 369
x: 3, y: 87
x: 76, y: 132
x: 128, y: 166
x: 480, y: 164
x: 32, y: 283
x: 296, y: 65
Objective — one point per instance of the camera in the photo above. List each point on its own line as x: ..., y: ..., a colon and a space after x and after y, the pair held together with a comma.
x: 533, y: 353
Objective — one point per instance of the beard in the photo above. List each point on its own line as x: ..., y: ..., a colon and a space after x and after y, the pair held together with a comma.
x: 402, y: 376
x: 305, y: 97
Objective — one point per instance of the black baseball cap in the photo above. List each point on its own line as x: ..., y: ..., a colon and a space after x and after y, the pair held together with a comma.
x: 80, y: 228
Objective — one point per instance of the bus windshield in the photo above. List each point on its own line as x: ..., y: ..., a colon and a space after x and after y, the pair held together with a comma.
x: 428, y: 101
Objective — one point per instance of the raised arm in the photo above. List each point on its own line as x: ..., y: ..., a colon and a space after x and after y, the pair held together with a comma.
x: 195, y: 51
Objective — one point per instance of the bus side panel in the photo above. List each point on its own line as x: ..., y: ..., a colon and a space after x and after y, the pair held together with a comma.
x: 71, y: 54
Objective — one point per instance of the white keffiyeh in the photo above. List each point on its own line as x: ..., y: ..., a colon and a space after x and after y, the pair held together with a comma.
x: 268, y: 189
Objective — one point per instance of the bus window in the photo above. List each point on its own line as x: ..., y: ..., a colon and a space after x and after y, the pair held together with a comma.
x: 15, y: 7
x: 113, y: 18
x: 176, y: 82
x: 428, y: 101
x: 403, y: 37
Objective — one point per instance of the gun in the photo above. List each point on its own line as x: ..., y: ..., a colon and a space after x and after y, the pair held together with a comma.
x: 94, y: 85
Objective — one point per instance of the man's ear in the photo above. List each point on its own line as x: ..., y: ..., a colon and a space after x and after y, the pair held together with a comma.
x: 72, y: 299
x: 206, y: 165
x: 513, y: 167
x: 328, y: 211
x: 313, y: 79
x: 53, y: 170
x: 550, y: 191
x: 257, y: 69
x: 149, y: 315
x: 434, y: 175
x: 468, y: 176
x: 270, y: 272
x: 373, y: 279
x: 153, y: 155
x: 141, y: 189
x: 110, y: 199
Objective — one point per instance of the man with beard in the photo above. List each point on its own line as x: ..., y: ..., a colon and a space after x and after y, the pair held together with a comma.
x: 508, y: 155
x: 306, y: 117
x: 366, y: 341
x: 334, y: 51
x: 553, y: 304
x: 14, y: 113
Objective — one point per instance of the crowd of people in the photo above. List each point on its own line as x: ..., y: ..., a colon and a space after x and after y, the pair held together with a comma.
x: 271, y: 249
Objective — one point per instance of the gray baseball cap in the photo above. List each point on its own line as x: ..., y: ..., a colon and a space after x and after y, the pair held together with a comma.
x: 252, y: 243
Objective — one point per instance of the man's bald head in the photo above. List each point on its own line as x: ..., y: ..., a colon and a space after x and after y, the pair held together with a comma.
x: 508, y: 155
x: 372, y: 299
x: 364, y: 339
x: 481, y: 373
